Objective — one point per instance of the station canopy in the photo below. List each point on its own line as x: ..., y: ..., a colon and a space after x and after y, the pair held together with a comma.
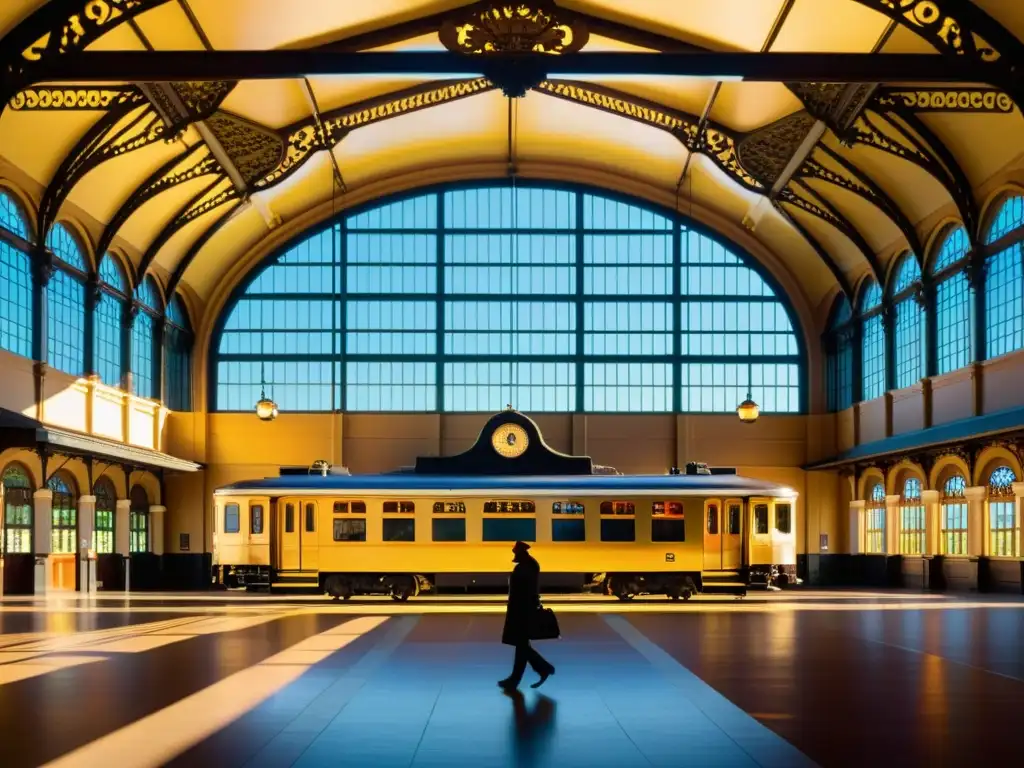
x: 835, y: 176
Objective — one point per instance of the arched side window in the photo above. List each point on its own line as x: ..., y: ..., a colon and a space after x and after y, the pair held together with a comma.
x: 110, y: 321
x: 954, y: 328
x: 839, y: 356
x: 912, y: 541
x: 145, y: 379
x: 1004, y: 281
x: 15, y: 280
x: 18, y: 511
x: 106, y: 509
x: 954, y: 516
x: 138, y: 520
x: 909, y: 322
x: 471, y: 298
x: 1004, y: 523
x: 874, y: 539
x: 65, y: 515
x: 65, y: 303
x: 872, y: 342
x: 178, y: 340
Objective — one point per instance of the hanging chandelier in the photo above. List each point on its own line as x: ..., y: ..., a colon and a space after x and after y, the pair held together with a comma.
x: 266, y: 409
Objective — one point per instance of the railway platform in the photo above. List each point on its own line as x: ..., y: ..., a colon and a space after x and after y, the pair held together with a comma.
x: 782, y: 680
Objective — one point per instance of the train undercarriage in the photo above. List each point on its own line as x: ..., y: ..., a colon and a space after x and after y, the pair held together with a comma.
x: 402, y: 586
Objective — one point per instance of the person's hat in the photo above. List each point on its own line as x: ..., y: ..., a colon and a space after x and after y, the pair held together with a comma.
x: 520, y: 546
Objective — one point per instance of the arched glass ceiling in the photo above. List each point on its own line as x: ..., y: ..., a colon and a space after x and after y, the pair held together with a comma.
x: 470, y: 298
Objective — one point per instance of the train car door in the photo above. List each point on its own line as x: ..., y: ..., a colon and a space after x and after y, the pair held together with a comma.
x: 289, y: 550
x: 310, y: 551
x: 732, y: 534
x: 712, y: 535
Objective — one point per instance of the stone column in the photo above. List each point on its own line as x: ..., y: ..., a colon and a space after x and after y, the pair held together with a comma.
x: 857, y: 527
x: 1018, y: 493
x: 86, y: 526
x: 932, y: 522
x: 977, y: 521
x: 892, y: 525
x: 156, y: 528
x: 42, y: 537
x: 121, y: 521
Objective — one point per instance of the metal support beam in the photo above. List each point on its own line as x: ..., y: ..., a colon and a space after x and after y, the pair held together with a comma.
x: 166, y: 66
x: 797, y: 160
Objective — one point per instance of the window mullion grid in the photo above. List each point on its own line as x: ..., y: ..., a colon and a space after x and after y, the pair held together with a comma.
x: 580, y: 297
x: 339, y: 366
x: 440, y: 297
x: 677, y: 317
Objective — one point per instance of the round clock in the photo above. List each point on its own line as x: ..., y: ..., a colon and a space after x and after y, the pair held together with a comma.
x: 510, y: 440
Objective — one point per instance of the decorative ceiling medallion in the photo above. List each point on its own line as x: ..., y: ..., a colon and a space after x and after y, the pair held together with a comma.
x: 531, y: 26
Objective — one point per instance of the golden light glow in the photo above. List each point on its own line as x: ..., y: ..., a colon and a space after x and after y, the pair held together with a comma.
x: 748, y: 411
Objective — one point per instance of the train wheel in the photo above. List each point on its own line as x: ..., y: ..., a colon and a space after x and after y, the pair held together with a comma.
x: 672, y: 593
x: 687, y: 594
x: 338, y: 587
x: 403, y: 588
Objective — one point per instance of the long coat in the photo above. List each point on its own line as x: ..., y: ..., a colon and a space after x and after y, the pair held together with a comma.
x: 523, y: 600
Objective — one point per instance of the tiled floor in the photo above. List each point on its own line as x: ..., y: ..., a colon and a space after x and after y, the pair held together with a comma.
x: 815, y: 679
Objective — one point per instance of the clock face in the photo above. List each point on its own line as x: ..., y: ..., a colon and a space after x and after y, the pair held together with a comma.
x: 510, y: 440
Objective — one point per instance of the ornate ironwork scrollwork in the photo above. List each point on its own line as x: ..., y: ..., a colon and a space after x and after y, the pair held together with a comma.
x: 521, y: 26
x: 254, y: 150
x: 766, y: 152
x: 75, y: 97
x: 961, y: 100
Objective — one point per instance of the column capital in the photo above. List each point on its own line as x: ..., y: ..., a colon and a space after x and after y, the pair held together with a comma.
x: 43, y: 493
x: 1018, y: 489
x: 157, y: 509
x: 976, y: 493
x: 87, y: 499
x: 858, y: 504
x: 893, y: 500
x: 929, y: 497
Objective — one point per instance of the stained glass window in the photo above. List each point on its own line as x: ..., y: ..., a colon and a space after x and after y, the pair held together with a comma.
x: 1004, y: 283
x: 1004, y: 524
x: 138, y: 520
x: 65, y: 303
x: 178, y: 357
x: 109, y: 321
x: 839, y: 357
x: 65, y: 515
x: 18, y: 511
x: 912, y: 530
x: 15, y: 283
x: 874, y: 540
x: 909, y: 325
x: 469, y: 299
x: 106, y: 508
x: 954, y: 516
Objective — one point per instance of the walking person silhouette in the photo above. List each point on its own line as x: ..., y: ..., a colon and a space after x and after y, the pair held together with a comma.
x: 520, y: 615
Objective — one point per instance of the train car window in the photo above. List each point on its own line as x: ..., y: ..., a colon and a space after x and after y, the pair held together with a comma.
x: 397, y: 529
x: 310, y: 518
x: 449, y: 508
x: 760, y: 518
x: 510, y: 529
x: 713, y: 519
x: 350, y: 529
x: 289, y: 518
x: 568, y: 530
x: 509, y: 508
x: 618, y: 530
x: 256, y: 518
x: 399, y: 507
x: 783, y: 518
x: 449, y: 529
x: 618, y: 508
x: 231, y: 518
x: 349, y: 507
x: 670, y: 508
x: 735, y: 518
x: 668, y: 529
x: 567, y: 508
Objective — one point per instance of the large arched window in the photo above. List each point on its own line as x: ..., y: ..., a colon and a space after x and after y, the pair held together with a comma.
x: 911, y: 518
x: 65, y: 514
x: 65, y: 303
x: 839, y: 356
x: 954, y: 516
x: 1004, y: 525
x: 909, y: 322
x: 469, y: 299
x: 874, y: 524
x: 18, y: 511
x: 872, y: 342
x: 1004, y: 280
x: 953, y: 302
x: 106, y: 509
x: 15, y: 280
x: 145, y: 380
x: 138, y: 520
x: 178, y: 357
x: 110, y: 321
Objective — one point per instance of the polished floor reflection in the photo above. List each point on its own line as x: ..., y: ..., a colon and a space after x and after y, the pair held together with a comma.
x: 811, y: 678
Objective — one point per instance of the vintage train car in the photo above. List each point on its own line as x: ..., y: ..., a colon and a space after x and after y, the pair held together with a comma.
x: 450, y: 522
